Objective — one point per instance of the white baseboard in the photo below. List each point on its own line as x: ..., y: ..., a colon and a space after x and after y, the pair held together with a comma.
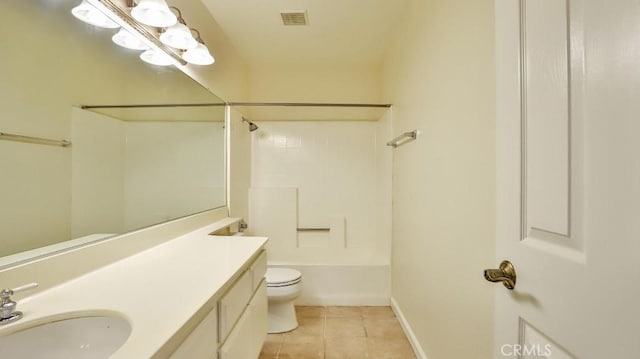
x: 343, y: 301
x: 417, y: 348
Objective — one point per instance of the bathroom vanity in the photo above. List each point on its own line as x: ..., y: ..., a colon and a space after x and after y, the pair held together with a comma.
x: 236, y: 326
x: 195, y: 296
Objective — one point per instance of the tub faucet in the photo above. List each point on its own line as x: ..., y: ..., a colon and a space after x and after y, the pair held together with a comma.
x: 8, y: 313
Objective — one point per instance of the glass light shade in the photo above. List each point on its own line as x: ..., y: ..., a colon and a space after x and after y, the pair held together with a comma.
x: 126, y: 39
x: 89, y: 14
x: 154, y: 13
x: 199, y: 55
x: 178, y: 36
x: 157, y: 57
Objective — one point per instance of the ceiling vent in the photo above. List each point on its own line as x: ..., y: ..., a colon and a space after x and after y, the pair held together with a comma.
x: 294, y: 18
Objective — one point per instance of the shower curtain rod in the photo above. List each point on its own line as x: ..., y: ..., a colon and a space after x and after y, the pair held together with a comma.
x: 88, y: 107
x: 308, y: 104
x: 254, y: 104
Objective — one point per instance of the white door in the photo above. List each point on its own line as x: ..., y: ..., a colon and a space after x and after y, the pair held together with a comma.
x: 568, y: 206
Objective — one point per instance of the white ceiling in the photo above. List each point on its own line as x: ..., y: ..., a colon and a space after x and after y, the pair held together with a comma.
x: 340, y: 32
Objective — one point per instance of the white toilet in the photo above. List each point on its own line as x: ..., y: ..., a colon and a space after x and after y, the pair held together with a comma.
x: 283, y: 287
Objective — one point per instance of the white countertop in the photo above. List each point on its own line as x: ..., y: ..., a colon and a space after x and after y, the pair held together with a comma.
x: 158, y: 290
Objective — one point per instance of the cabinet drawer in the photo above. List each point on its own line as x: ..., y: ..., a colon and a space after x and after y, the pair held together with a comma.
x: 233, y: 304
x: 202, y: 342
x: 259, y: 269
x: 247, y: 337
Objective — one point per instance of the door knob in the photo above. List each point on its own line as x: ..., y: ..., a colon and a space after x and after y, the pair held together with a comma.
x: 505, y: 274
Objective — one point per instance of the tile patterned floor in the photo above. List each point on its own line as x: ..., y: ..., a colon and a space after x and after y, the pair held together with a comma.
x: 341, y: 333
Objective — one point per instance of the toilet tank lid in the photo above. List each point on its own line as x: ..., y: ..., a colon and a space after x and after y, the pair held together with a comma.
x: 282, y: 275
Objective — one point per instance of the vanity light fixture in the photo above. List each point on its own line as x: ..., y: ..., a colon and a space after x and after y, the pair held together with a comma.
x: 91, y: 15
x: 154, y: 13
x: 200, y: 54
x: 128, y: 40
x: 148, y: 25
x: 157, y: 57
x: 179, y: 35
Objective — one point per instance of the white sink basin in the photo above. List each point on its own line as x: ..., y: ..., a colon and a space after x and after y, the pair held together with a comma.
x: 82, y: 337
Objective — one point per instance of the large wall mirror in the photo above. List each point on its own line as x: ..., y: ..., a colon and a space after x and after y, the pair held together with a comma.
x: 126, y: 168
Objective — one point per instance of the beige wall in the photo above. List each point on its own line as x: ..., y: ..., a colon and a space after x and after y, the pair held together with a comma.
x: 240, y: 170
x: 315, y: 84
x: 228, y: 76
x: 439, y: 74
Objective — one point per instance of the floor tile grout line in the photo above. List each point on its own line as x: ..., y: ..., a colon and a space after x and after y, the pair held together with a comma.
x: 324, y: 333
x: 280, y: 347
x: 367, y: 354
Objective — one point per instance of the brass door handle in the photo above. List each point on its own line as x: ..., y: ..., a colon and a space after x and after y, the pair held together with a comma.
x: 505, y: 274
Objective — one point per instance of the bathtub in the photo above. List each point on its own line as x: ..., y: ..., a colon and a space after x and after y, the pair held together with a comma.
x: 343, y: 285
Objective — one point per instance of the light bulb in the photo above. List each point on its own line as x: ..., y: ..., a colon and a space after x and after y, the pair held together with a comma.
x: 91, y: 15
x: 178, y: 36
x: 126, y: 39
x: 199, y: 55
x: 157, y: 57
x: 154, y: 13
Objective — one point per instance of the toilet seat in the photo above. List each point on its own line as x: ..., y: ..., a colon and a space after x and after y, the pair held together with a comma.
x: 282, y: 277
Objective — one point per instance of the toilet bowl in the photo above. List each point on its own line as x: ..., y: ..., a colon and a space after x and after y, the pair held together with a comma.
x: 283, y: 287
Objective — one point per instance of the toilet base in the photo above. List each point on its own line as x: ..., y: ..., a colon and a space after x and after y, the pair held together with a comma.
x: 282, y: 317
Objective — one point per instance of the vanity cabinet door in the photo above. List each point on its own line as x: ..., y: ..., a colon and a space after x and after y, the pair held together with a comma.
x: 246, y: 339
x: 233, y: 303
x: 202, y: 342
x: 259, y: 269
